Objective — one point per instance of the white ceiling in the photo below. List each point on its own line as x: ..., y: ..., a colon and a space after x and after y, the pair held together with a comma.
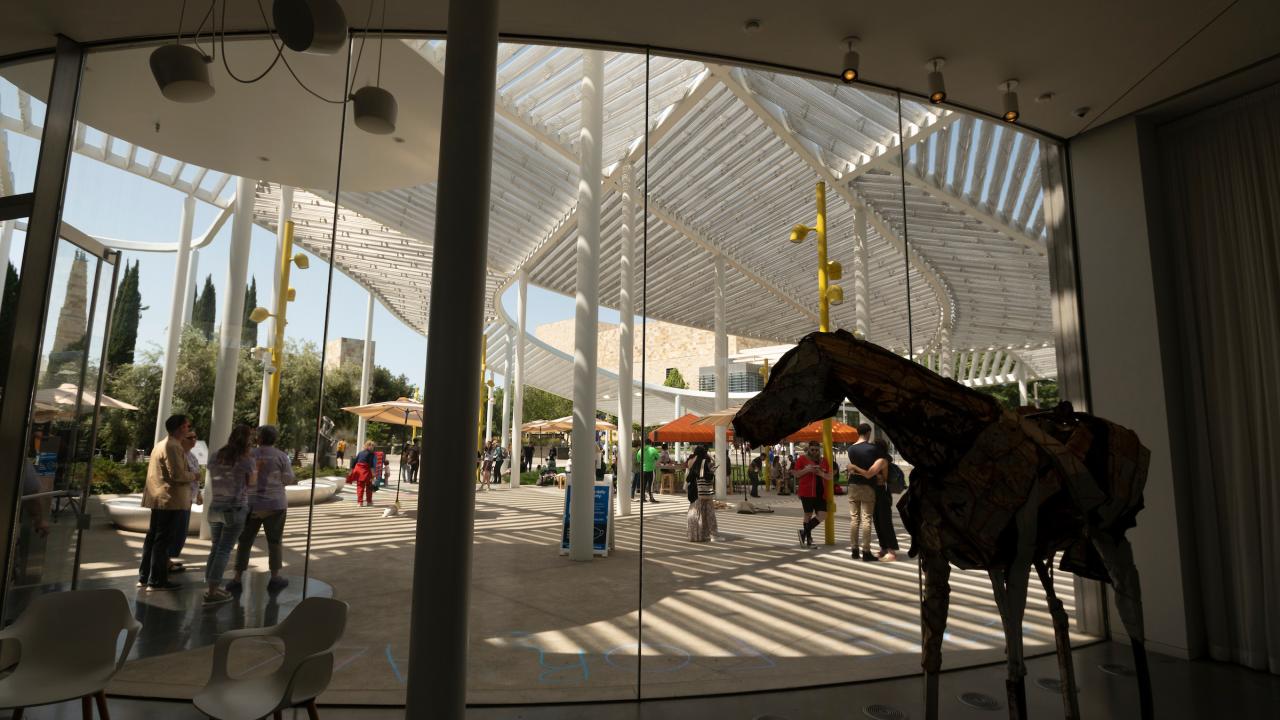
x: 1096, y: 53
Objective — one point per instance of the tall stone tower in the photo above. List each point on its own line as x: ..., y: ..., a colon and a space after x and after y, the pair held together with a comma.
x: 69, y: 336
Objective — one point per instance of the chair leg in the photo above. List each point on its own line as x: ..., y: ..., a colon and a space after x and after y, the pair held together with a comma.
x: 313, y: 713
x: 86, y: 707
x: 101, y: 697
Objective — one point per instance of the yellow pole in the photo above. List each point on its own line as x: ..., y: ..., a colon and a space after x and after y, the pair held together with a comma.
x: 282, y: 305
x: 824, y: 325
x: 484, y: 366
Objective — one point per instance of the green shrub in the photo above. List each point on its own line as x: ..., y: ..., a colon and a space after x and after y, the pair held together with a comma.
x: 116, y: 478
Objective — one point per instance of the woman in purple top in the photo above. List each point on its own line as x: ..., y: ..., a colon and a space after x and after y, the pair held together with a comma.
x: 231, y: 472
x: 267, y: 508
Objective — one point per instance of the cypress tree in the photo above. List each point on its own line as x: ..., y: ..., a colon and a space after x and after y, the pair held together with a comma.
x: 204, y: 312
x: 124, y: 326
x: 249, y: 328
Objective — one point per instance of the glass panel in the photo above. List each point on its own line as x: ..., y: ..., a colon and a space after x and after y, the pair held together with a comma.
x: 150, y: 176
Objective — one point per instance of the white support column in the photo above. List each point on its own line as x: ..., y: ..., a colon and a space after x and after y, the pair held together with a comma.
x: 285, y: 215
x: 229, y: 334
x: 366, y: 372
x: 947, y: 365
x: 174, y: 333
x: 517, y: 401
x: 861, y: 277
x: 722, y: 381
x: 586, y: 326
x: 189, y: 296
x: 1022, y: 384
x: 626, y: 340
x: 488, y: 418
x: 504, y: 436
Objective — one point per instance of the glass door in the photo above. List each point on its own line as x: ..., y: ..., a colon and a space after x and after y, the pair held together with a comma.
x: 63, y: 422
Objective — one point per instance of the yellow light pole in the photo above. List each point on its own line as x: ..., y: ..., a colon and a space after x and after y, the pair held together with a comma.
x: 284, y: 296
x: 828, y: 295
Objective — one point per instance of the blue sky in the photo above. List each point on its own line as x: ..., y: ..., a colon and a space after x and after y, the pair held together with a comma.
x: 107, y: 202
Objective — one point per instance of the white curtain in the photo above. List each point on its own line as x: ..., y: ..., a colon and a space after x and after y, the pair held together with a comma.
x: 1222, y: 192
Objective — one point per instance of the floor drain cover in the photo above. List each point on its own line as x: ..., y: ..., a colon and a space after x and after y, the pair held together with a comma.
x: 883, y: 712
x: 980, y: 701
x: 1116, y: 669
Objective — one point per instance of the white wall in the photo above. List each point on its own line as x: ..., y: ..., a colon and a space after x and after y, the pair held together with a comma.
x: 1122, y: 341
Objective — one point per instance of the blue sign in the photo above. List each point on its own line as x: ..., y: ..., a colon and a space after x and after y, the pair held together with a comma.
x: 602, y: 507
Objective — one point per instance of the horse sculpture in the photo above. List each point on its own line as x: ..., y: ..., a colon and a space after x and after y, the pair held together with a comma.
x: 991, y: 489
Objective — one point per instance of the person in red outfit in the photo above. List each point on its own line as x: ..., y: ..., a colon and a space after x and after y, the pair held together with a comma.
x: 811, y: 472
x: 363, y: 474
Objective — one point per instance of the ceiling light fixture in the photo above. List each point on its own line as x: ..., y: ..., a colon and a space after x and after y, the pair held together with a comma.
x: 849, y: 71
x: 937, y: 87
x: 182, y: 71
x: 375, y: 109
x: 310, y: 26
x: 1009, y: 100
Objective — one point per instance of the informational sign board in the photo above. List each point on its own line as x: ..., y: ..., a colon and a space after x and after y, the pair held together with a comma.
x: 201, y: 451
x: 602, y: 520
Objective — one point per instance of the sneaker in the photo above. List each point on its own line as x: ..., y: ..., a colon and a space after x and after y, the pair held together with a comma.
x: 217, y: 597
x: 234, y: 586
x: 803, y: 541
x: 177, y: 567
x: 890, y: 556
x: 142, y: 582
x: 164, y: 587
x: 277, y: 583
x: 867, y: 556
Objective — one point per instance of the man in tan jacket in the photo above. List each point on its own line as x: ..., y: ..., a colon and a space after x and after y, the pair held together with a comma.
x: 170, y: 483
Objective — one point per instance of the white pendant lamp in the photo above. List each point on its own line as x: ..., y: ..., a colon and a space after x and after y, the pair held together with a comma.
x: 375, y: 110
x: 311, y: 26
x: 182, y: 72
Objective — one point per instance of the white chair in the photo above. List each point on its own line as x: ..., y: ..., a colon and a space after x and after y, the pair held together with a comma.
x: 68, y: 646
x: 309, y: 635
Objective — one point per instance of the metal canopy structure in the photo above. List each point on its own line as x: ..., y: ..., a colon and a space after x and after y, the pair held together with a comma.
x: 733, y: 156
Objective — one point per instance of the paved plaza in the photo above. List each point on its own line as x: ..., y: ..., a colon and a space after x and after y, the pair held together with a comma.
x: 754, y: 612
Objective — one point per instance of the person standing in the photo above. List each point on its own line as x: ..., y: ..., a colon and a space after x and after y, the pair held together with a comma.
x: 341, y: 451
x: 648, y: 458
x: 179, y: 540
x: 702, y: 510
x: 362, y: 474
x: 887, y: 536
x: 413, y: 463
x: 167, y: 494
x: 499, y: 458
x: 268, y: 506
x: 754, y: 470
x: 863, y: 457
x: 811, y: 472
x: 232, y: 471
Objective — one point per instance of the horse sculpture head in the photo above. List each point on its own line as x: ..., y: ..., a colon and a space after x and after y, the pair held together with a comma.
x: 799, y: 391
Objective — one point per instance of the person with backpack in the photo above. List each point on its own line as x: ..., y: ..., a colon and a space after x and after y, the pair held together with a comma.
x: 701, y: 479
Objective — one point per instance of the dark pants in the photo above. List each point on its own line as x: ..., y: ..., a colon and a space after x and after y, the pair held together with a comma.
x: 179, y: 539
x: 154, y: 569
x: 884, y: 519
x: 272, y: 521
x: 646, y: 484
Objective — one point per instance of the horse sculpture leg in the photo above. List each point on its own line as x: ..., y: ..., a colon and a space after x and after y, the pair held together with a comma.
x: 933, y: 616
x: 1010, y: 590
x: 1066, y: 670
x: 1117, y: 555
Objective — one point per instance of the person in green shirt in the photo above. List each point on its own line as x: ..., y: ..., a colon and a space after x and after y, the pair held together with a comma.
x: 648, y: 460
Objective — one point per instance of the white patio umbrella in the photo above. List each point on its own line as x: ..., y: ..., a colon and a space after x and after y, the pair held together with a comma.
x: 565, y: 424
x: 402, y: 411
x: 719, y: 418
x: 59, y: 403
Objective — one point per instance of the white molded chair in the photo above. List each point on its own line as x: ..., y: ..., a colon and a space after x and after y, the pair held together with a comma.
x: 68, y: 646
x: 309, y: 635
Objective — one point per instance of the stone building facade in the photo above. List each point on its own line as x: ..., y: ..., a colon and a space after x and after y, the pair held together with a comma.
x: 345, y: 351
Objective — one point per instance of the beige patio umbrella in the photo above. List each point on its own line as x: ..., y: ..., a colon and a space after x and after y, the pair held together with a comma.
x: 59, y: 403
x: 719, y: 418
x: 402, y: 411
x: 539, y: 426
x: 565, y: 424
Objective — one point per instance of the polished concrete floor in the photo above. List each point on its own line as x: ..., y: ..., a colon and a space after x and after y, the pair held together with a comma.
x: 755, y: 612
x: 1183, y: 691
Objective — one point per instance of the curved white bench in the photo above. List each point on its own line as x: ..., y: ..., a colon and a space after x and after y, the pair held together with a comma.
x: 126, y: 512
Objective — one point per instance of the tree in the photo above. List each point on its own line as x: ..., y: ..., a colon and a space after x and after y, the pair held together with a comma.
x: 8, y: 315
x: 542, y: 405
x: 204, y: 311
x: 136, y: 383
x: 124, y: 324
x: 249, y: 328
x: 675, y: 379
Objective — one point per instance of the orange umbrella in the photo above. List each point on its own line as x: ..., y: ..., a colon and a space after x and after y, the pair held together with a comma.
x: 683, y: 429
x: 840, y: 433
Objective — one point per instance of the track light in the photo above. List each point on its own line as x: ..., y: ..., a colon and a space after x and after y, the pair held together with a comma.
x: 849, y: 71
x: 312, y: 26
x: 375, y: 110
x: 182, y: 72
x: 937, y: 87
x: 1010, y: 100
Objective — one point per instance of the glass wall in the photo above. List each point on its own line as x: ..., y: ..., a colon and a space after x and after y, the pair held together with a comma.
x: 270, y: 265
